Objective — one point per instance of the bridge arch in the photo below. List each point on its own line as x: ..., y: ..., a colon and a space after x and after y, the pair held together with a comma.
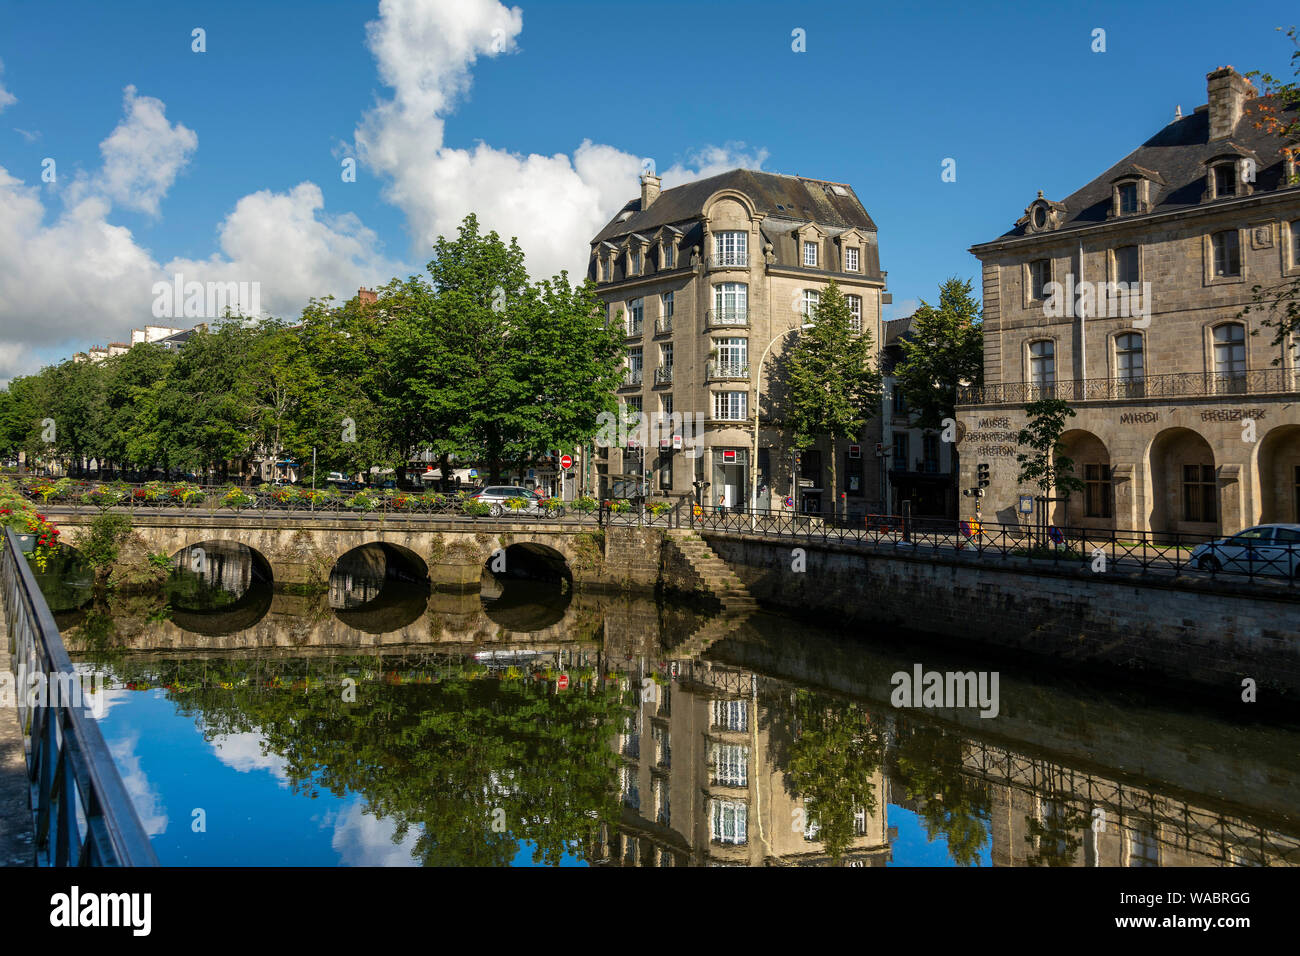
x: 219, y: 587
x: 378, y: 587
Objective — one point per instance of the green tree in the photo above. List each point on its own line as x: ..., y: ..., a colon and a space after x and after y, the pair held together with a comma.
x: 929, y: 766
x: 134, y: 385
x: 1278, y: 112
x: 1045, y: 464
x: 833, y: 389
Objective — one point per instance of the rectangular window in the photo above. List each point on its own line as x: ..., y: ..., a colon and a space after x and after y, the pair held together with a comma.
x: 730, y: 765
x: 663, y: 813
x: 668, y: 256
x: 1097, y: 494
x: 810, y: 255
x: 1199, y: 493
x: 731, y: 249
x: 852, y: 475
x: 666, y: 355
x: 900, y: 400
x: 635, y: 316
x: 1227, y: 253
x: 663, y: 748
x: 1225, y: 180
x: 765, y: 466
x: 730, y: 303
x: 1295, y: 243
x: 633, y: 403
x: 635, y: 256
x: 811, y: 299
x: 1126, y: 264
x: 729, y: 406
x: 855, y: 312
x: 733, y: 356
x: 810, y: 466
x: 1230, y: 358
x: 851, y: 259
x: 631, y: 792
x: 731, y: 715
x: 1042, y: 367
x: 666, y: 403
x: 900, y: 451
x: 1128, y: 198
x: 667, y: 305
x: 930, y: 454
x: 729, y: 821
x: 1040, y: 273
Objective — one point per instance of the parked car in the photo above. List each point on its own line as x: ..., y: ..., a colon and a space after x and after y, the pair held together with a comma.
x: 1267, y: 549
x: 336, y: 478
x: 497, y: 495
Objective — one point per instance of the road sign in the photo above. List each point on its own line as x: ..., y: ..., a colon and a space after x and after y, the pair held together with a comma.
x: 566, y: 461
x: 789, y: 501
x: 1026, y: 504
x: 473, y: 472
x: 563, y: 682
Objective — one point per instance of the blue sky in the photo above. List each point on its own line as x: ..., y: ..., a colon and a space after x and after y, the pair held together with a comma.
x: 225, y: 165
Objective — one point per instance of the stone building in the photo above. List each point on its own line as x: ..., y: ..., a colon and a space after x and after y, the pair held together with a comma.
x: 704, y: 277
x: 916, y: 464
x: 1124, y: 299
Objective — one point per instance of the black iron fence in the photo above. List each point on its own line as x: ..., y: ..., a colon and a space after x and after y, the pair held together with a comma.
x: 1263, y: 381
x: 1156, y: 553
x: 82, y: 814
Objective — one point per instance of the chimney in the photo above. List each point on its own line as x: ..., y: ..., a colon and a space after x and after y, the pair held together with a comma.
x: 649, y: 190
x: 367, y: 296
x: 1228, y: 93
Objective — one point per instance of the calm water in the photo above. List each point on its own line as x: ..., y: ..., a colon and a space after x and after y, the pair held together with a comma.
x: 381, y: 723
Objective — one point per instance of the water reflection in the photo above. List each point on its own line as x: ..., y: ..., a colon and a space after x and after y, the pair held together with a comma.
x: 640, y: 733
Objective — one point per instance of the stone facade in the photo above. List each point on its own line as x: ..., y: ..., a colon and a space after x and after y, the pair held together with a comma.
x: 703, y: 277
x: 1186, y: 414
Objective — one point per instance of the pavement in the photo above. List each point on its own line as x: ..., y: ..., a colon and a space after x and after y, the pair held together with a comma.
x: 16, y: 842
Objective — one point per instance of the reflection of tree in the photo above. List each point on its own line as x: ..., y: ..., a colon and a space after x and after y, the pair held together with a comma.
x: 928, y: 764
x: 830, y: 759
x: 1055, y: 839
x: 443, y: 757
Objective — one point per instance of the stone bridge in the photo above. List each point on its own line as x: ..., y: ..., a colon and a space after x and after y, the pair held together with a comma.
x: 301, y: 550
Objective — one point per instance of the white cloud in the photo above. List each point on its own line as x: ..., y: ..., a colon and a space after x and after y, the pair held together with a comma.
x: 28, y: 136
x: 143, y: 154
x: 554, y: 204
x: 363, y: 839
x: 6, y: 98
x: 148, y: 802
x: 247, y: 752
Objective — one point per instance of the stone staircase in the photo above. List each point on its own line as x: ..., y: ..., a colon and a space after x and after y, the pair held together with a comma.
x: 715, y: 576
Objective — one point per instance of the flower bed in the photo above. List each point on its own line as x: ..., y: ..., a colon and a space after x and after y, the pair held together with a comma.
x: 18, y: 513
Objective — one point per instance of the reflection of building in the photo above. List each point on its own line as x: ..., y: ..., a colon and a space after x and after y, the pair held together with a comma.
x: 699, y: 784
x: 1187, y: 420
x: 703, y: 277
x: 1047, y: 814
x: 916, y: 464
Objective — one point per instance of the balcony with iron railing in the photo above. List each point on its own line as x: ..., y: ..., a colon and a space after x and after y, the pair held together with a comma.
x: 719, y: 371
x: 632, y: 376
x: 729, y: 260
x: 664, y: 375
x: 1267, y: 381
x: 663, y: 325
x: 727, y: 318
x: 634, y: 327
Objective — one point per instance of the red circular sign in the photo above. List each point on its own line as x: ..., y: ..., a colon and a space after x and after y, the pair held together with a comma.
x: 566, y: 461
x: 563, y: 682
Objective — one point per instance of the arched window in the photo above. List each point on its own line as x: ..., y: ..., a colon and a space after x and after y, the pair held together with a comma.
x: 1042, y: 367
x: 1130, y: 367
x: 1230, y: 358
x: 811, y: 299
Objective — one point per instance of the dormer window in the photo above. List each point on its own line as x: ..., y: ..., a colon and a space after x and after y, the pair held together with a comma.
x: 1128, y: 198
x: 851, y: 259
x: 810, y: 255
x: 634, y: 262
x: 1040, y: 217
x: 668, y: 256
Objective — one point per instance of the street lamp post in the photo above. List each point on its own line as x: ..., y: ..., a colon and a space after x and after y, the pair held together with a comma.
x: 758, y: 391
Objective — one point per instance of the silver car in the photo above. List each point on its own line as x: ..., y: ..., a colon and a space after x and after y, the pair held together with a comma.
x: 1267, y: 549
x: 496, y: 496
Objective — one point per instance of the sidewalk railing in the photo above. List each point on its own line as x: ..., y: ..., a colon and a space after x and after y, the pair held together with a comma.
x: 82, y: 813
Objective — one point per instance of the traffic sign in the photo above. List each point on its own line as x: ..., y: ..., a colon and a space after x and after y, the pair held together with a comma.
x: 789, y: 501
x: 566, y: 461
x: 563, y: 682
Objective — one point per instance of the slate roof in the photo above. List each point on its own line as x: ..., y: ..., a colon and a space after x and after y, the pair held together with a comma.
x: 775, y: 194
x: 1176, y: 155
x: 787, y: 202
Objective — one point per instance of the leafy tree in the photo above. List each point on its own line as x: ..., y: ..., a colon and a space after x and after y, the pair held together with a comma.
x: 1279, y: 114
x: 1046, y: 464
x: 134, y: 384
x: 832, y: 387
x: 929, y: 766
x: 945, y: 349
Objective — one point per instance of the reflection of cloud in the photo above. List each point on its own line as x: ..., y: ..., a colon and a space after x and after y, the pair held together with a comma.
x: 362, y: 839
x: 246, y: 752
x: 148, y: 803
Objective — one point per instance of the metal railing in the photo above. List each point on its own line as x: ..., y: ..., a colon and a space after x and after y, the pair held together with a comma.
x: 664, y: 375
x: 632, y: 376
x: 727, y: 317
x: 719, y: 371
x: 663, y: 325
x: 1264, y: 381
x: 81, y: 812
x: 1099, y: 550
x: 729, y: 260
